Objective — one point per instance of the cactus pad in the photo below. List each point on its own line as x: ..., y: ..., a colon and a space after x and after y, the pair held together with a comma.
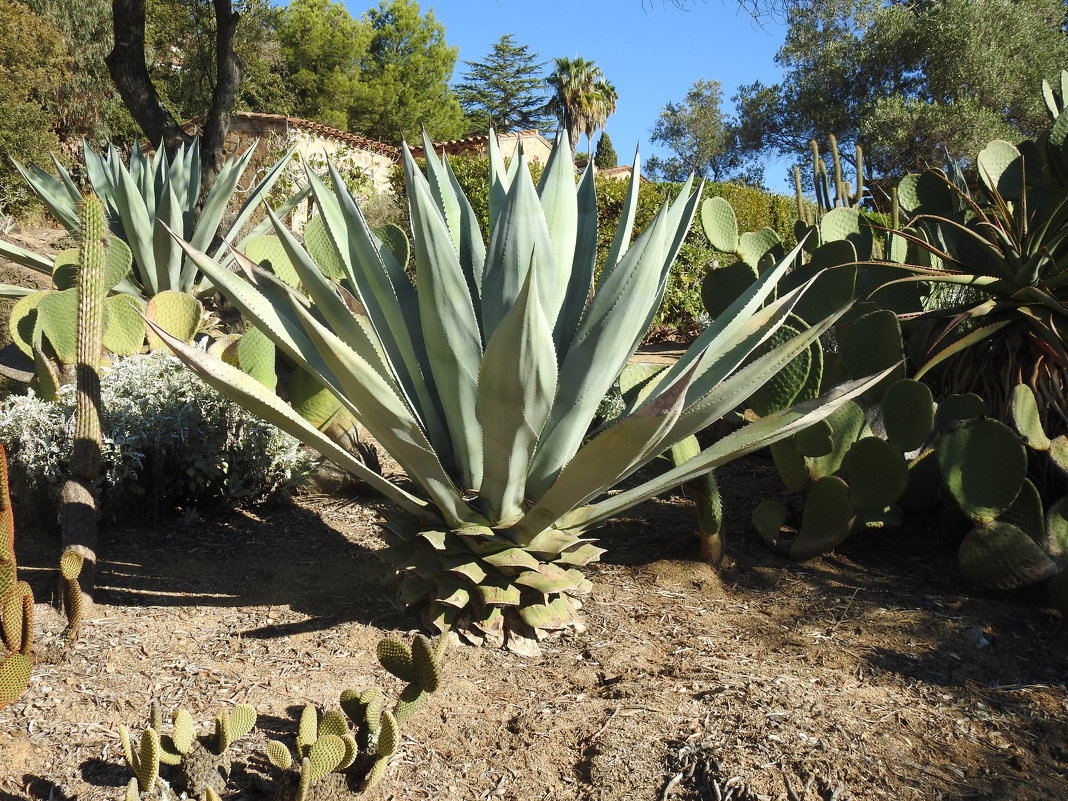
x: 956, y: 408
x: 816, y: 440
x: 388, y: 735
x: 395, y: 240
x: 983, y: 464
x: 15, y: 670
x: 779, y: 392
x: 425, y: 664
x: 1057, y: 530
x: 877, y: 474
x: 1026, y: 418
x: 146, y: 766
x: 56, y: 314
x: 870, y: 343
x: 411, y: 701
x: 908, y: 414
x: 396, y: 657
x: 307, y: 729
x: 270, y: 253
x: 723, y: 285
x: 768, y: 519
x: 374, y: 776
x: 333, y: 723
x: 826, y: 520
x: 1000, y: 556
x: 720, y: 224
x: 124, y: 327
x: 278, y: 755
x: 254, y: 354
x: 325, y: 755
x: 846, y: 224
x: 753, y: 246
x: 177, y: 313
x: 1000, y: 166
x: 242, y: 719
x: 320, y: 246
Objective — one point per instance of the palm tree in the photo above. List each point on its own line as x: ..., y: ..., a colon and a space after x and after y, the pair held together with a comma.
x: 600, y: 105
x: 582, y: 99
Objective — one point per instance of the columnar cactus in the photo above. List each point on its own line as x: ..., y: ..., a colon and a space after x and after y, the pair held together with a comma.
x: 16, y: 605
x: 79, y: 499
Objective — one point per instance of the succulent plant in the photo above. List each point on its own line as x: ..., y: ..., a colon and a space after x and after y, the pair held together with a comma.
x: 16, y: 605
x: 145, y: 198
x: 994, y: 253
x: 201, y: 767
x: 484, y: 382
x: 1015, y: 540
x: 331, y: 757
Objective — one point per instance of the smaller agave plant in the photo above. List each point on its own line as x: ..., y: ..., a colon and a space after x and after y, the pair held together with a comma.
x: 483, y: 376
x: 143, y: 199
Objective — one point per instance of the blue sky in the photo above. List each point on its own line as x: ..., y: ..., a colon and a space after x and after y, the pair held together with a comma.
x: 651, y: 52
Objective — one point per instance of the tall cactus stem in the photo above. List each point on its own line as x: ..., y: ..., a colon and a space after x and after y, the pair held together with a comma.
x: 840, y: 195
x: 858, y: 198
x: 799, y: 197
x: 816, y: 164
x: 895, y: 210
x: 79, y: 501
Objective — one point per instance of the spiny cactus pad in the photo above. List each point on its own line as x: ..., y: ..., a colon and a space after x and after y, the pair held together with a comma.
x: 325, y: 755
x: 396, y: 657
x: 183, y: 732
x: 877, y: 474
x: 411, y: 701
x: 425, y: 664
x: 908, y: 413
x: 388, y: 735
x: 279, y: 755
x: 177, y: 313
x: 720, y: 224
x: 1026, y: 418
x: 333, y: 723
x: 826, y: 520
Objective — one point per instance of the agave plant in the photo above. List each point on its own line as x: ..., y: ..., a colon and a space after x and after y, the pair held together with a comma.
x: 143, y: 200
x: 483, y: 377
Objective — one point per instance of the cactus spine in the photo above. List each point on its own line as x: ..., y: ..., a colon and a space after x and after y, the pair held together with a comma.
x: 79, y: 501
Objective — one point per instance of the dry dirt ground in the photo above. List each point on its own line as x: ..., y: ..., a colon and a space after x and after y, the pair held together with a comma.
x: 870, y: 674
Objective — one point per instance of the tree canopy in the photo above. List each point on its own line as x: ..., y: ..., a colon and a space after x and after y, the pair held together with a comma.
x: 506, y: 91
x: 912, y: 82
x: 404, y: 76
x: 34, y: 63
x: 702, y: 139
x: 321, y: 46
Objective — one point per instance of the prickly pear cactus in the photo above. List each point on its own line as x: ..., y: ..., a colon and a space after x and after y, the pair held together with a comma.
x: 199, y: 766
x: 16, y: 605
x: 332, y: 760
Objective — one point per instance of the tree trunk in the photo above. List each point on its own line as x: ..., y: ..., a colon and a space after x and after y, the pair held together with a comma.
x: 129, y: 71
x: 228, y: 72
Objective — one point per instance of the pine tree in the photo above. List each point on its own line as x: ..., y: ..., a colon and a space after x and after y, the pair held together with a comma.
x: 505, y: 90
x: 605, y: 157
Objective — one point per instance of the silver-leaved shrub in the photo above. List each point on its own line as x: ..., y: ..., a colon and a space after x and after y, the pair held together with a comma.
x: 169, y: 441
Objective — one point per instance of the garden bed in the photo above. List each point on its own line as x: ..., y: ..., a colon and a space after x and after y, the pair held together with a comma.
x: 869, y: 674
